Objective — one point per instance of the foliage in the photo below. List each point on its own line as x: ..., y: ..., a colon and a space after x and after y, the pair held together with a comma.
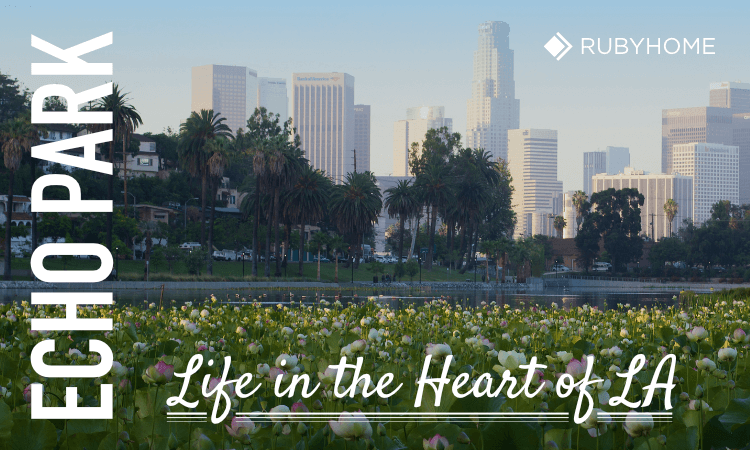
x: 194, y: 260
x: 411, y: 268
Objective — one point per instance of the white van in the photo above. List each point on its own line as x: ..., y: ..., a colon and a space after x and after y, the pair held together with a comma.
x: 602, y: 267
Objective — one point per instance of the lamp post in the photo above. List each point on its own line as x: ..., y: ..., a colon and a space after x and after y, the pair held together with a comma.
x: 117, y: 263
x: 420, y: 268
x: 135, y: 202
x: 186, y: 203
x: 243, y: 264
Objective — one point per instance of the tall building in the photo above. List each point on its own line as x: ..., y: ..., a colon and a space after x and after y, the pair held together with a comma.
x: 656, y: 189
x: 272, y: 95
x: 406, y: 132
x: 493, y: 108
x: 323, y: 113
x: 618, y: 158
x: 732, y: 95
x: 362, y: 136
x: 741, y: 139
x: 569, y: 214
x: 532, y: 162
x: 689, y: 125
x: 593, y: 163
x: 223, y: 89
x: 251, y: 87
x: 715, y: 171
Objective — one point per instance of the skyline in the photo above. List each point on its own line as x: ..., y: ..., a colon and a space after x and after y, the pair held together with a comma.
x: 592, y: 101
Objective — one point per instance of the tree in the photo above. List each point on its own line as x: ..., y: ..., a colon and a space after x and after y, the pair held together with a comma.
x: 317, y: 241
x: 54, y: 226
x: 13, y: 98
x: 355, y: 206
x: 195, y: 133
x: 336, y: 243
x: 670, y: 249
x: 166, y: 146
x: 579, y: 203
x: 559, y: 223
x: 17, y: 136
x: 125, y: 119
x: 221, y: 152
x: 670, y: 209
x: 401, y: 201
x: 307, y: 202
x: 411, y: 268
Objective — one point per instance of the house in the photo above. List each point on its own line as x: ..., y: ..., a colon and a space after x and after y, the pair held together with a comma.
x: 228, y: 194
x: 21, y: 211
x: 56, y: 133
x: 143, y: 163
x: 152, y: 213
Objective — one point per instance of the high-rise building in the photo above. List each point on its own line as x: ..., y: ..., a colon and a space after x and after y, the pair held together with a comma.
x: 323, y: 113
x: 732, y: 95
x: 689, y: 125
x: 569, y: 214
x: 406, y: 132
x: 715, y: 172
x: 532, y: 162
x: 593, y: 163
x: 251, y: 89
x: 223, y: 89
x: 362, y: 136
x: 618, y: 158
x: 272, y: 95
x: 493, y: 108
x: 741, y: 139
x: 656, y: 189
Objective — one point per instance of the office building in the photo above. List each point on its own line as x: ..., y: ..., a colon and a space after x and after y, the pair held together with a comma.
x: 323, y: 113
x: 570, y: 214
x: 741, y: 139
x: 532, y: 162
x: 272, y: 95
x: 251, y: 97
x: 593, y: 163
x: 732, y: 95
x: 223, y: 89
x: 413, y: 129
x: 493, y: 108
x: 690, y: 125
x: 362, y: 136
x: 618, y: 158
x: 656, y: 189
x: 715, y: 172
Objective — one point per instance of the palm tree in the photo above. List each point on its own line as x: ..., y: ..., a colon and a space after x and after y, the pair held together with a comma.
x: 355, y: 206
x: 17, y: 136
x: 336, y: 243
x: 125, y: 119
x: 318, y: 240
x: 195, y: 133
x: 221, y: 151
x: 401, y: 201
x: 559, y: 223
x: 306, y: 202
x: 579, y: 201
x: 435, y: 192
x: 670, y: 209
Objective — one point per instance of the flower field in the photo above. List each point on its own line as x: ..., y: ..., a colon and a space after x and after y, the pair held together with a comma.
x: 709, y: 335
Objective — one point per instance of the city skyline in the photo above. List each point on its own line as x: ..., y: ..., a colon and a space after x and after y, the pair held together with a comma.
x: 591, y: 101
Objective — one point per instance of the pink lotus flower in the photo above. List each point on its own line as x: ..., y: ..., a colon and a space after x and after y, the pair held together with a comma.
x: 159, y: 374
x: 241, y: 429
x: 576, y: 368
x: 436, y: 442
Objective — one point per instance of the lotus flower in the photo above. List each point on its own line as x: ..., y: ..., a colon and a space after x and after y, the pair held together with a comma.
x: 595, y: 424
x: 438, y: 351
x: 351, y: 426
x: 437, y: 442
x: 727, y: 354
x: 511, y: 360
x: 576, y: 368
x: 697, y: 334
x: 241, y: 429
x: 158, y: 374
x: 637, y: 425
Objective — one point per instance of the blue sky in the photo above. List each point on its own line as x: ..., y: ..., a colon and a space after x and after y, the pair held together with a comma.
x: 406, y: 54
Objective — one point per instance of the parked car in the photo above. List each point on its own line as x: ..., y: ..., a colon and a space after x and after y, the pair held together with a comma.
x: 602, y: 267
x: 323, y: 259
x: 560, y: 268
x: 218, y: 255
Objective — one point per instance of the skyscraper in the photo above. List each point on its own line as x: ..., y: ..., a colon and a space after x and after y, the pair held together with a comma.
x: 618, y: 158
x: 732, y: 95
x: 656, y: 188
x: 252, y: 93
x: 715, y: 172
x: 223, y: 89
x: 532, y: 162
x: 272, y: 95
x: 405, y: 132
x: 741, y: 139
x: 689, y: 125
x: 593, y: 163
x: 493, y: 108
x: 323, y: 113
x: 362, y: 136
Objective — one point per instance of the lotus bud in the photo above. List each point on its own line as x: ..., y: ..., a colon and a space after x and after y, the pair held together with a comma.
x: 301, y: 428
x: 317, y: 405
x: 684, y: 396
x: 699, y: 391
x: 381, y: 430
x: 662, y: 439
x: 277, y: 428
x: 172, y: 442
x: 462, y: 438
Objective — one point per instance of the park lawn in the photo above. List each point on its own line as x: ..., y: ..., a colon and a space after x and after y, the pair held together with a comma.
x: 232, y: 270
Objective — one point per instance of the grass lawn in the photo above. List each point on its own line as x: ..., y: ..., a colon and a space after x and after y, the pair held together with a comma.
x: 232, y: 271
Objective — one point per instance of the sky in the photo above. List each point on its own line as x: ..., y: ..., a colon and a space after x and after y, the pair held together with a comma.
x: 405, y: 54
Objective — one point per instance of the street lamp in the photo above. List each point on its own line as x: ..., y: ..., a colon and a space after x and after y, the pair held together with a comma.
x: 419, y: 258
x: 135, y: 202
x: 186, y: 204
x: 117, y: 263
x: 243, y: 264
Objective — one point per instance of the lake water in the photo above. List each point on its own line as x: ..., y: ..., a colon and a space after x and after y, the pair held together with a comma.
x: 602, y: 298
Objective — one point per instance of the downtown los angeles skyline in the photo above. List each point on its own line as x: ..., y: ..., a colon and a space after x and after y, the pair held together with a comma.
x: 593, y: 101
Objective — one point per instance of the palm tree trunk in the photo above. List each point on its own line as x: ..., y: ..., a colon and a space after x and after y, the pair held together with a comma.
x: 125, y: 176
x: 358, y: 250
x: 318, y: 262
x: 302, y: 247
x: 413, y: 241
x: 110, y: 194
x: 210, y: 268
x: 203, y: 206
x: 505, y: 265
x: 268, y: 243
x: 336, y: 270
x: 450, y: 240
x: 431, y: 245
x: 461, y: 244
x: 401, y: 231
x: 277, y: 193
x: 256, y: 224
x: 497, y: 267
x: 8, y: 216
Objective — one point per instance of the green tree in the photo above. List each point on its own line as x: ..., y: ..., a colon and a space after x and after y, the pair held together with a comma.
x: 401, y: 201
x: 317, y: 241
x: 355, y: 206
x: 579, y: 203
x: 667, y: 250
x: 336, y: 243
x: 14, y: 99
x: 411, y: 268
x: 306, y: 202
x: 559, y: 223
x: 670, y: 209
x: 54, y: 225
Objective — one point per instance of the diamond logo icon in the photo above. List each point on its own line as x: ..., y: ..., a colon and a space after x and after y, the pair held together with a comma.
x: 558, y: 46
